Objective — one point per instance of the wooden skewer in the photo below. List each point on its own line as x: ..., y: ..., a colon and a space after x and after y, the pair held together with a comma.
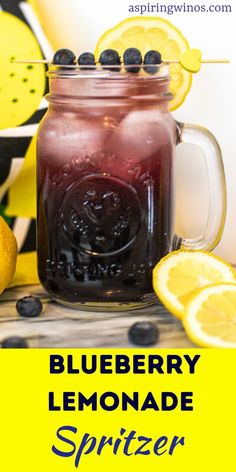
x: 46, y: 61
x: 205, y: 61
x: 215, y: 61
x: 39, y: 61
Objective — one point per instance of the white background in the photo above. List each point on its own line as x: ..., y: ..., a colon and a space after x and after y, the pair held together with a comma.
x: 212, y: 102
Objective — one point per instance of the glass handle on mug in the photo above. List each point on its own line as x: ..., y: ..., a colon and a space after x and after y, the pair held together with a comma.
x: 199, y: 136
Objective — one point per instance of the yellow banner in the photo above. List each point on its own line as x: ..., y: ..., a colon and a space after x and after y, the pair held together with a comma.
x: 127, y: 409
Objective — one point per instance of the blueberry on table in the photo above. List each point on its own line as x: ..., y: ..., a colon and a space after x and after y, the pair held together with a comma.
x: 29, y: 307
x: 86, y: 59
x: 64, y: 57
x: 14, y: 342
x: 152, y: 58
x: 132, y: 57
x: 143, y: 333
x: 110, y: 57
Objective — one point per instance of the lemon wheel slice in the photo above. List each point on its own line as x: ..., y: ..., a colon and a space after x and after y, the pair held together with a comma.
x: 146, y: 33
x: 178, y: 276
x: 210, y: 317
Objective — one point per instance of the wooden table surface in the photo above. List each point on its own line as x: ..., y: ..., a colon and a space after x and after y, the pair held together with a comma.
x: 60, y: 326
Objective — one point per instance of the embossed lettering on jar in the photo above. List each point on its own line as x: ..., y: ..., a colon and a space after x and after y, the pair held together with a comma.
x: 105, y: 187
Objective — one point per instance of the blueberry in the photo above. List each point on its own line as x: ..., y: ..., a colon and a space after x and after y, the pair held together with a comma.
x: 14, y: 342
x: 143, y: 333
x: 152, y: 58
x: 132, y: 57
x: 110, y: 57
x: 29, y: 307
x: 64, y: 57
x: 86, y: 59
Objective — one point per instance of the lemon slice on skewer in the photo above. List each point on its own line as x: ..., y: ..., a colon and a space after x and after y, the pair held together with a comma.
x: 178, y: 276
x: 146, y: 33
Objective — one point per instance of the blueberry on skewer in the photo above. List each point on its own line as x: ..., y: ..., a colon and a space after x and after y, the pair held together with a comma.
x: 87, y: 59
x: 151, y: 59
x: 132, y: 60
x: 64, y: 57
x: 110, y: 57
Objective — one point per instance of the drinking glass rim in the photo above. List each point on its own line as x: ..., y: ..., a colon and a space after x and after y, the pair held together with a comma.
x: 105, y: 72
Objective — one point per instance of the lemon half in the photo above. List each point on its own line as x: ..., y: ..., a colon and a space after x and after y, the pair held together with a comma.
x: 178, y: 276
x: 210, y: 317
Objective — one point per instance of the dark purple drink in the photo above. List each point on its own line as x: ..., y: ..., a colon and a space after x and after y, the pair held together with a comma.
x: 105, y: 189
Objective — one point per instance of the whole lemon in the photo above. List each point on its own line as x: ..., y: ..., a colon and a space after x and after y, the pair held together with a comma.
x: 8, y: 254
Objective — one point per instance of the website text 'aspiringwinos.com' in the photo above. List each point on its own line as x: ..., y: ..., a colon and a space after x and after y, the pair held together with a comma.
x: 184, y: 7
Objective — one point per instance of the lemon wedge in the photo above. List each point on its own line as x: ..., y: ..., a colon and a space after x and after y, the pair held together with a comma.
x: 146, y: 33
x: 178, y: 276
x: 210, y: 317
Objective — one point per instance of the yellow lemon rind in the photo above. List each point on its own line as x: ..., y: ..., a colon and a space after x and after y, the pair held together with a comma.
x: 8, y: 250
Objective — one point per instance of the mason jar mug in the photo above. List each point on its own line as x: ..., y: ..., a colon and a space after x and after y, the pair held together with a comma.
x: 105, y: 171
